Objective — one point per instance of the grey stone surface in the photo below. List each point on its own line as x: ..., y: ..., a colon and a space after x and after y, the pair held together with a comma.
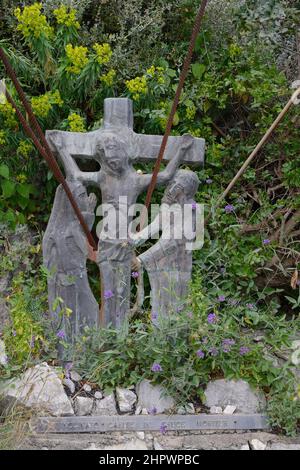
x: 229, y: 410
x: 106, y: 406
x: 169, y: 441
x: 216, y: 410
x: 116, y: 147
x: 3, y: 355
x: 153, y: 396
x: 134, y: 444
x: 169, y: 261
x: 4, y: 313
x: 283, y: 446
x: 126, y: 399
x: 103, y: 422
x: 40, y: 389
x: 87, y: 388
x: 69, y: 384
x: 256, y: 444
x: 83, y: 406
x: 237, y: 393
x: 75, y: 376
x: 65, y: 255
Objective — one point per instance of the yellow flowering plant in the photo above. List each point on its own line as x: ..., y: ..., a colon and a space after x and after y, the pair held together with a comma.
x: 103, y: 53
x: 76, y: 123
x: 108, y: 78
x: 66, y: 17
x: 76, y: 58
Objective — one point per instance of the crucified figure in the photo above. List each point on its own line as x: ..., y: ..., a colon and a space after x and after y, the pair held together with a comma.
x: 120, y: 186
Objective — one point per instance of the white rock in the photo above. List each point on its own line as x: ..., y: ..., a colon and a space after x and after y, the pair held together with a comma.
x: 157, y: 445
x: 126, y: 399
x: 144, y: 411
x: 234, y: 392
x: 245, y: 447
x: 133, y: 444
x: 229, y: 410
x: 153, y: 396
x: 75, y: 376
x: 3, y: 356
x: 70, y: 385
x: 83, y: 406
x: 187, y: 409
x: 87, y: 388
x: 38, y: 388
x: 216, y: 410
x: 140, y: 435
x: 138, y: 410
x: 256, y: 444
x: 106, y: 406
x: 98, y: 395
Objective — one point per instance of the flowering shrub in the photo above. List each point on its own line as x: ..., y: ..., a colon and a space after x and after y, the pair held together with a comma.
x: 77, y: 58
x: 32, y: 23
x: 103, y: 53
x: 76, y: 123
x: 67, y: 17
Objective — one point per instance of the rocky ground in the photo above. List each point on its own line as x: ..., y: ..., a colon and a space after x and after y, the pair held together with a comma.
x: 208, y: 440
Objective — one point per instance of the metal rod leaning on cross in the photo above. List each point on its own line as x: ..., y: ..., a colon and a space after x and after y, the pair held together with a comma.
x: 41, y: 143
x: 183, y: 75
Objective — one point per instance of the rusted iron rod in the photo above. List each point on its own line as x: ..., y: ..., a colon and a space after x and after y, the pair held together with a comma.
x: 182, y: 78
x: 54, y: 168
x: 41, y: 143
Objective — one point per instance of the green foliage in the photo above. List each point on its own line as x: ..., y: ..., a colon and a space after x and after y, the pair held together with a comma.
x: 213, y: 338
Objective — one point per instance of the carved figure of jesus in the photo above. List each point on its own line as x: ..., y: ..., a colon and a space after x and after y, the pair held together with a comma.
x: 117, y: 178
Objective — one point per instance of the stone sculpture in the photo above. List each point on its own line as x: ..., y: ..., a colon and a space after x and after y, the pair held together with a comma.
x: 116, y: 148
x: 169, y: 261
x: 65, y: 255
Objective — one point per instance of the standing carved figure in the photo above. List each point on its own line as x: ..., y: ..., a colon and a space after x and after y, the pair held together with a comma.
x: 65, y: 255
x: 169, y: 261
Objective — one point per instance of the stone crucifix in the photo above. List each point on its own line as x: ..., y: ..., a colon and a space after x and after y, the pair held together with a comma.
x: 116, y: 147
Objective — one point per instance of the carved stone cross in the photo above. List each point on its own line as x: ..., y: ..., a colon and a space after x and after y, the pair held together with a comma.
x: 118, y: 113
x: 117, y: 147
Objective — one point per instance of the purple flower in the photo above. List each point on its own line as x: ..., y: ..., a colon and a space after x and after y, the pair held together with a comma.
x: 229, y: 208
x: 244, y: 351
x: 108, y: 294
x: 14, y: 333
x: 209, y: 181
x: 213, y: 352
x: 135, y: 274
x: 222, y: 270
x: 156, y: 367
x: 4, y: 360
x: 250, y: 306
x: 154, y: 316
x: 32, y: 341
x: 61, y: 334
x: 211, y: 318
x: 221, y: 298
x: 152, y: 411
x: 194, y: 205
x: 163, y: 428
x: 266, y: 241
x: 200, y: 354
x: 228, y: 342
x: 68, y: 367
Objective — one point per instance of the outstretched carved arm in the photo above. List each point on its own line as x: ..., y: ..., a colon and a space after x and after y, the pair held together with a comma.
x: 167, y: 174
x: 72, y: 170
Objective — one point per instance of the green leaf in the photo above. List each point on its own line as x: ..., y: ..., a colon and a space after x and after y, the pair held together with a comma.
x: 4, y: 171
x: 198, y: 70
x: 23, y: 190
x: 8, y: 188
